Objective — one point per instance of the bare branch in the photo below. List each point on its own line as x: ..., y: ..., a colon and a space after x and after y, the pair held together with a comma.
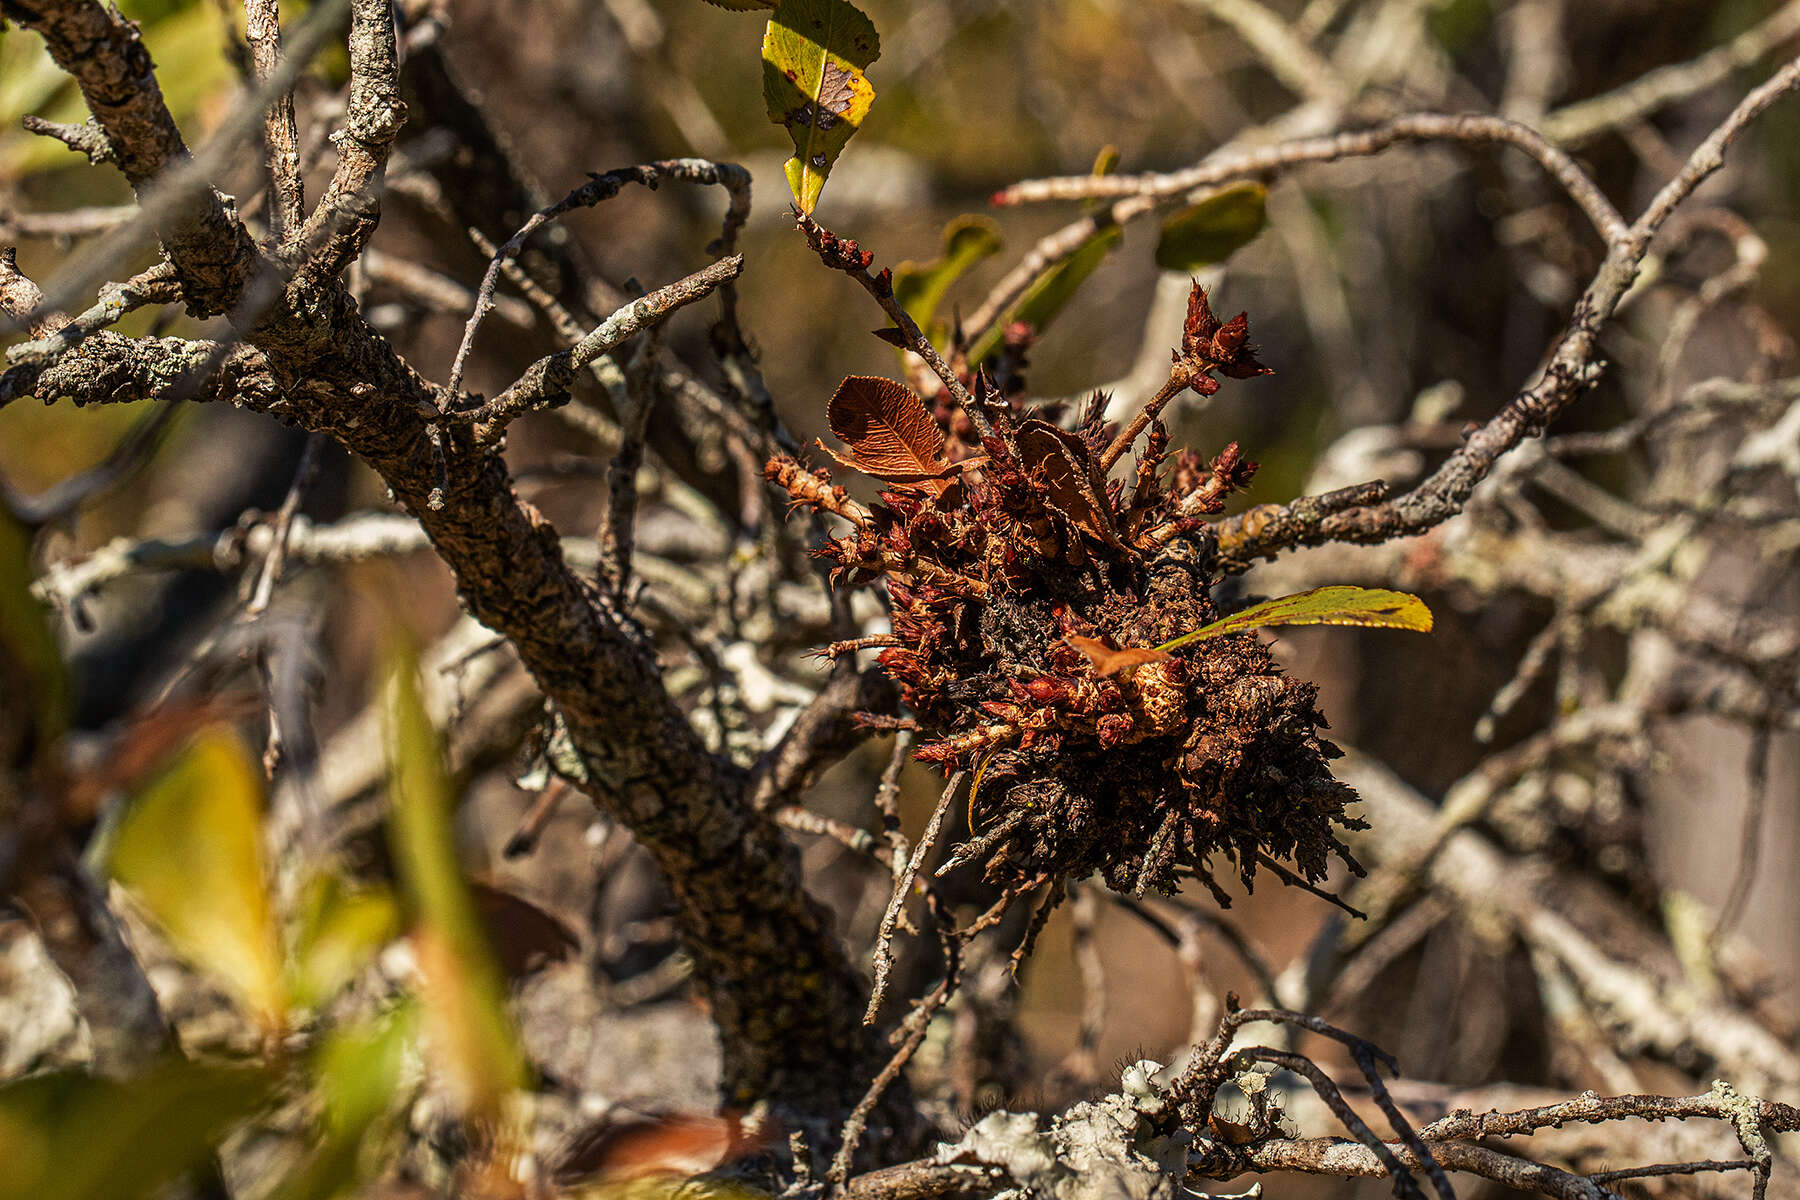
x: 1587, y: 119
x: 599, y: 189
x: 349, y: 210
x: 101, y: 50
x: 1284, y: 156
x: 552, y: 375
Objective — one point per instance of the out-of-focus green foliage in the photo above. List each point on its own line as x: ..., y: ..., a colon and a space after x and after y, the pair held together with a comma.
x: 358, y: 1072
x: 465, y: 1014
x: 814, y: 56
x: 1214, y: 229
x: 1052, y: 291
x: 920, y: 287
x: 29, y: 657
x: 71, y: 1136
x: 189, y: 849
x: 337, y: 931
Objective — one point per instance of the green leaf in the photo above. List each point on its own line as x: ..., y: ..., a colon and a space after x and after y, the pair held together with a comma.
x: 1339, y: 604
x: 1214, y: 229
x: 31, y: 667
x: 339, y: 931
x: 71, y: 1136
x: 189, y: 849
x: 465, y: 997
x: 814, y: 56
x: 920, y: 287
x: 1051, y: 291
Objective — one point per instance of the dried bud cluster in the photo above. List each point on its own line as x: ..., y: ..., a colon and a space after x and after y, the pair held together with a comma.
x: 1007, y: 562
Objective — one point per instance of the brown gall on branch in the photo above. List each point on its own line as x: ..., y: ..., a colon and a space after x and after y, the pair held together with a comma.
x: 1206, y: 346
x: 1140, y: 776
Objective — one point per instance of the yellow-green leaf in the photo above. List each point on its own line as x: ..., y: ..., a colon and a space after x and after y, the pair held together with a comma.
x: 1339, y: 604
x: 920, y: 287
x: 814, y: 56
x: 472, y: 1038
x: 71, y: 1136
x: 31, y: 666
x: 189, y: 849
x: 339, y: 931
x: 1214, y: 229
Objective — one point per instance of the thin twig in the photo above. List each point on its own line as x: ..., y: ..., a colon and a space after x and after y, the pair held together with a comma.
x: 903, y: 886
x: 281, y: 134
x: 553, y: 374
x: 1756, y: 790
x: 600, y: 188
x: 1586, y: 119
x: 1270, y: 160
x: 842, y: 254
x: 917, y: 1025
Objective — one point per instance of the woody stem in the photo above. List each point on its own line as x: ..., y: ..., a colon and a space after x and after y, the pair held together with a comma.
x: 1181, y: 375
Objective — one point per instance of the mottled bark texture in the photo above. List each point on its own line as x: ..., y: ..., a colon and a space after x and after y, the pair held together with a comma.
x: 782, y: 991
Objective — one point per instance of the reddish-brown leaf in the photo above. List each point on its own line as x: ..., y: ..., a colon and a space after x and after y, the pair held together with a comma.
x: 526, y: 939
x: 890, y: 434
x: 1065, y: 464
x: 670, y: 1144
x: 1110, y: 660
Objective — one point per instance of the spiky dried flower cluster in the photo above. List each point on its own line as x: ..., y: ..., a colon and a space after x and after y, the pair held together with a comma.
x: 1015, y: 570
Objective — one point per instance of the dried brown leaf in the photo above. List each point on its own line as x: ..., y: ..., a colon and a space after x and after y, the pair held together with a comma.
x: 891, y: 435
x: 1065, y: 463
x: 1110, y: 660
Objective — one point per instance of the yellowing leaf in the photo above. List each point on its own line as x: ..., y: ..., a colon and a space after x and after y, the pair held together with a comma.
x: 814, y: 55
x: 1212, y: 230
x: 1339, y: 604
x: 920, y: 287
x: 189, y: 849
x: 472, y: 1038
